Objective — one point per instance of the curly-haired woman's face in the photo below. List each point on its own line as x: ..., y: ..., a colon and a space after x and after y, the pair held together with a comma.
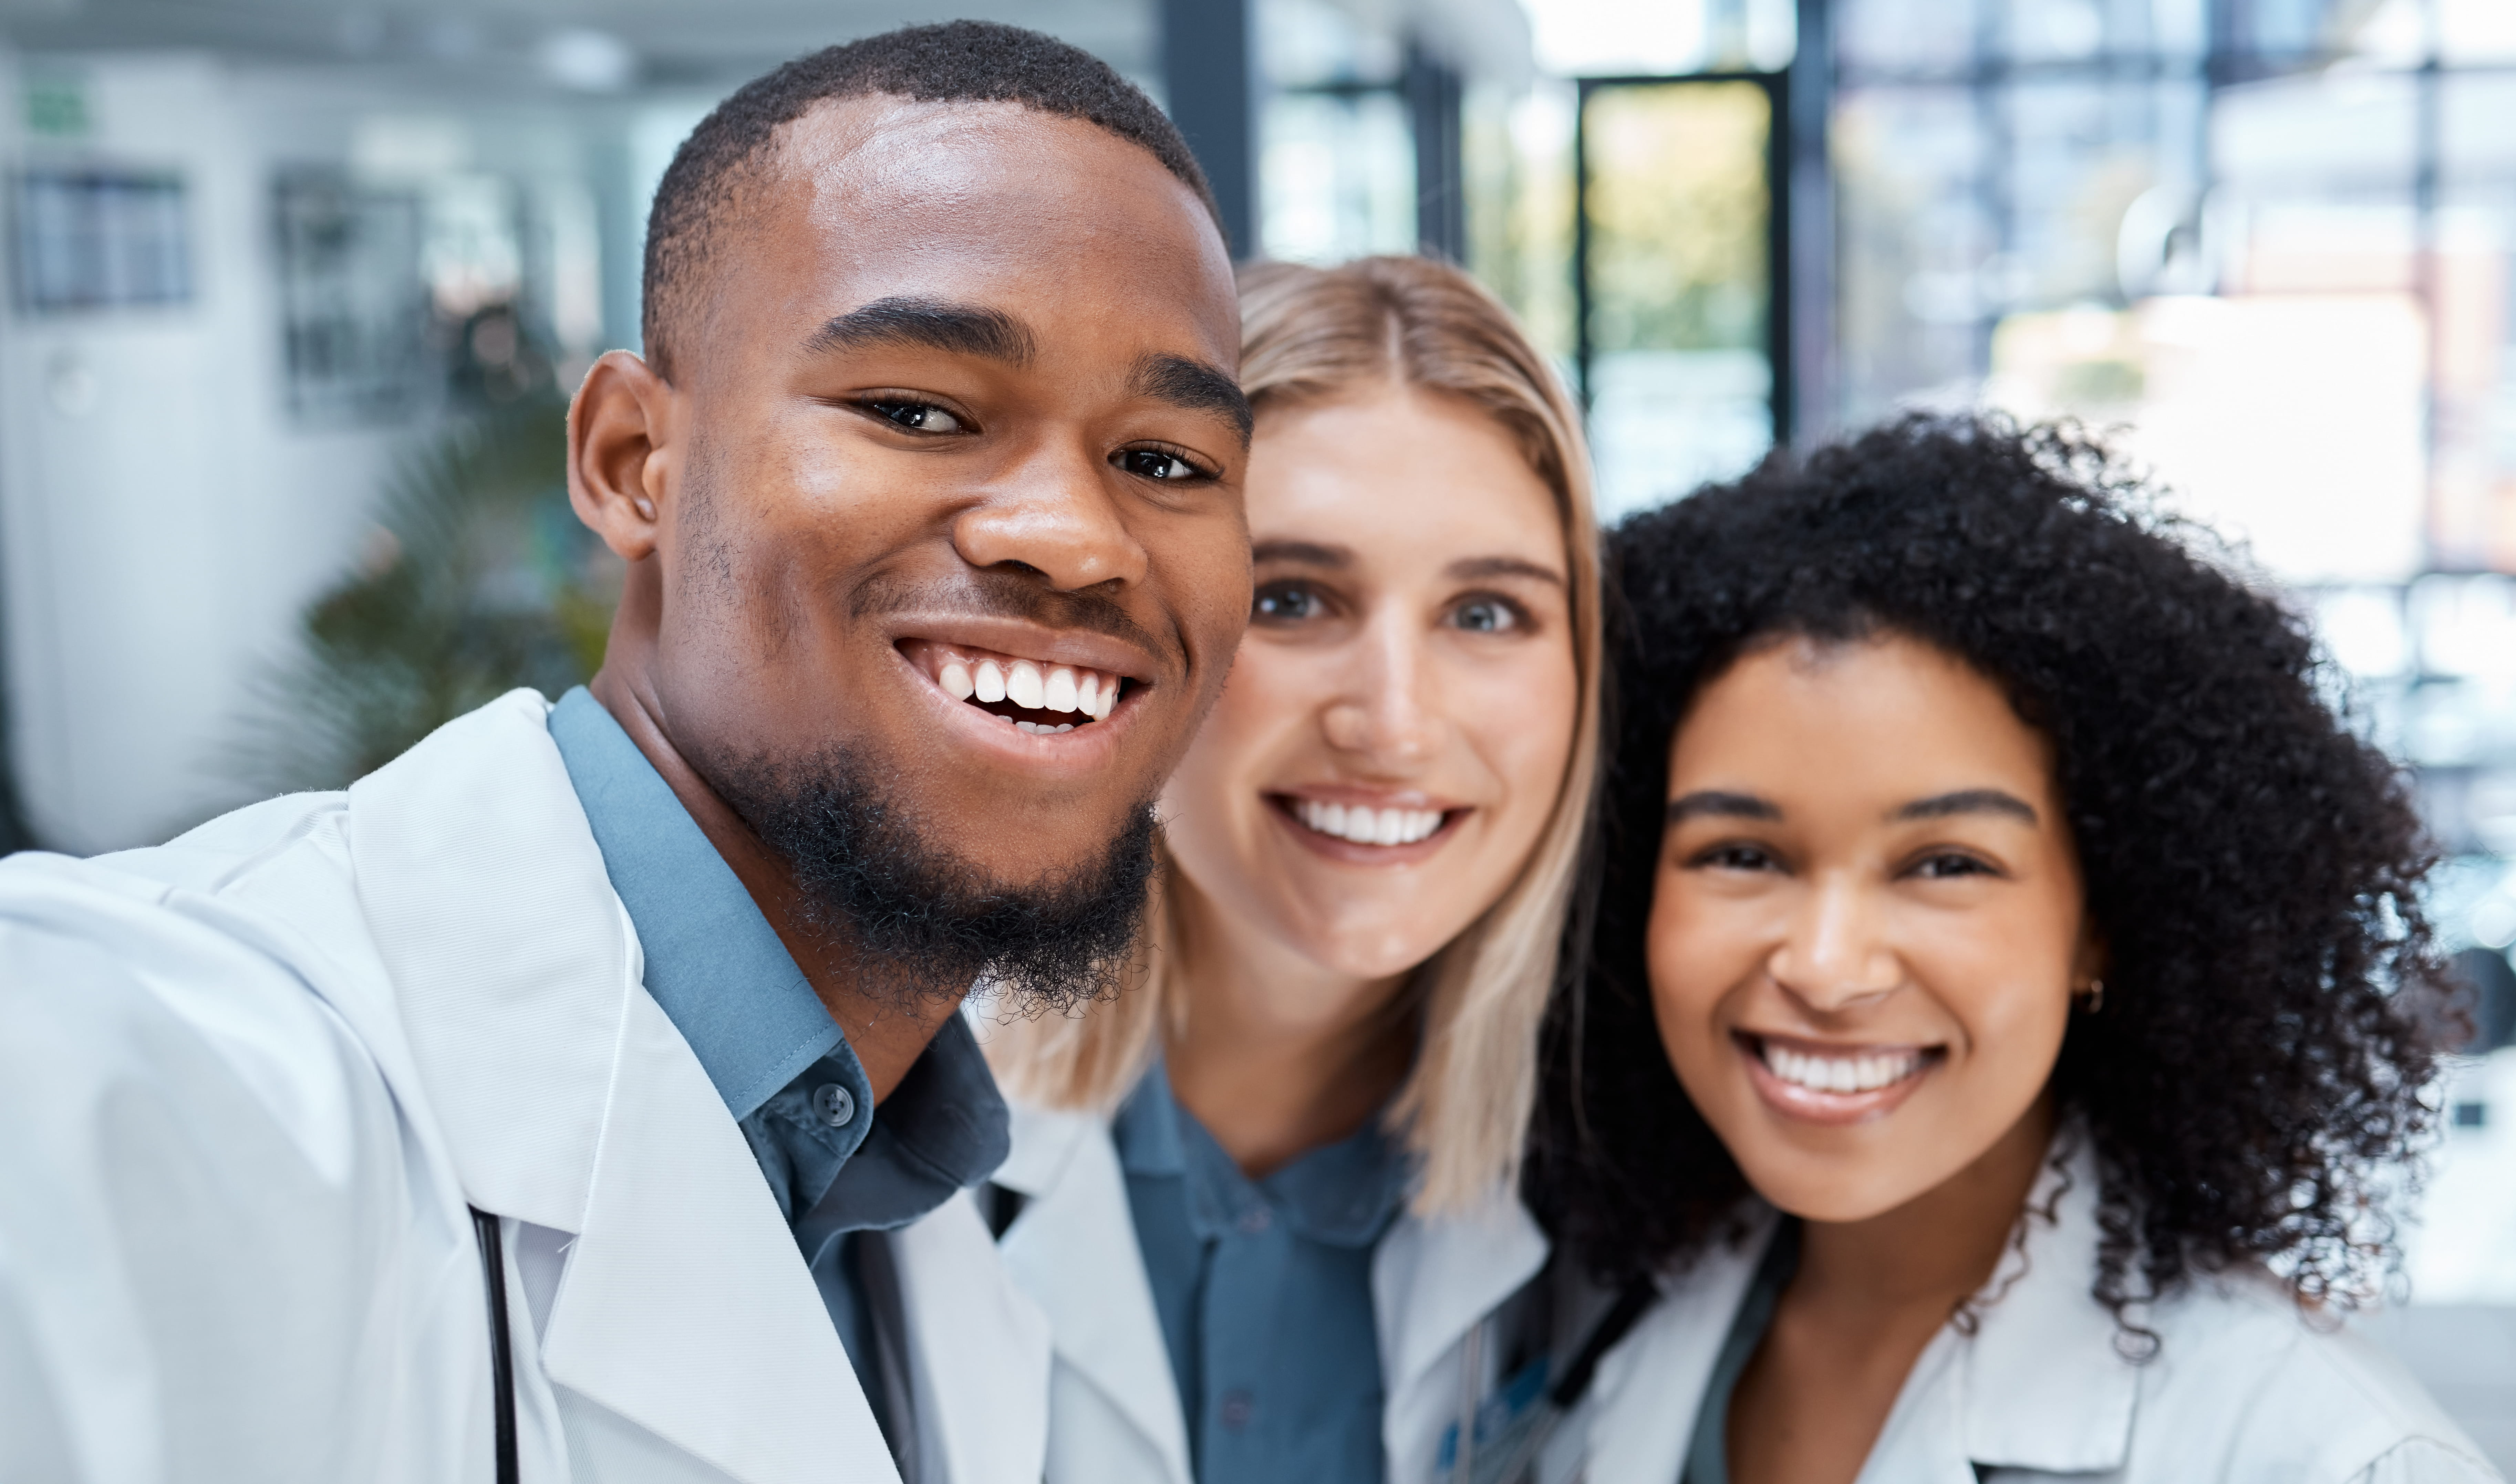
x: 1868, y: 923
x: 1398, y: 723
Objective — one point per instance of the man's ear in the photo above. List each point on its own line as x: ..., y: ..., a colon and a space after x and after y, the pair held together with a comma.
x: 620, y: 429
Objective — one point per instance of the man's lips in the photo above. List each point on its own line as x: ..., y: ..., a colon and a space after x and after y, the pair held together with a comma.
x: 1834, y: 1082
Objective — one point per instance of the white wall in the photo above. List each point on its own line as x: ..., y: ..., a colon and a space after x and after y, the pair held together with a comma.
x: 161, y: 522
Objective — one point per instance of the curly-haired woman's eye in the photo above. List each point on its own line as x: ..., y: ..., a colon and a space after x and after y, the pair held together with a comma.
x: 1947, y: 865
x: 1735, y: 855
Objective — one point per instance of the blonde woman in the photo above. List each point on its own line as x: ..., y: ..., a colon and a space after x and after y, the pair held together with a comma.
x: 1268, y: 1201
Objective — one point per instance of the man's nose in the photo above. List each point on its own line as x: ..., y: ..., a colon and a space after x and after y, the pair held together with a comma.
x: 1385, y: 708
x: 1058, y: 517
x: 1835, y: 954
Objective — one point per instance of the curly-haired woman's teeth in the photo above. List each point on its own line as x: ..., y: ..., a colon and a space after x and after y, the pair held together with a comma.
x: 1369, y: 826
x: 1864, y: 1072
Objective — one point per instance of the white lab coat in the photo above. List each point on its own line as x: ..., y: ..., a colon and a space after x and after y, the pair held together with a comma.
x: 1115, y: 1415
x: 249, y: 1081
x: 2243, y: 1388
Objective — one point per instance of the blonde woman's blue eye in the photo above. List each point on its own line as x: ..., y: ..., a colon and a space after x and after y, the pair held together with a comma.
x: 1484, y: 617
x: 1283, y: 602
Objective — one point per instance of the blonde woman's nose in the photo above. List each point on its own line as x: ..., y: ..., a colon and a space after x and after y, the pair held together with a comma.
x: 1384, y: 709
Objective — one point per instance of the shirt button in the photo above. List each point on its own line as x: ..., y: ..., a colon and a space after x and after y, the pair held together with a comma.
x: 1255, y: 1220
x: 1236, y: 1407
x: 835, y: 1104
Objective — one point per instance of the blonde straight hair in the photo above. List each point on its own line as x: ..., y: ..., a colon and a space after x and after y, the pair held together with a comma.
x: 1308, y: 335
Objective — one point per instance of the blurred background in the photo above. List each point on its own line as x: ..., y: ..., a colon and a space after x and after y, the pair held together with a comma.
x: 297, y: 288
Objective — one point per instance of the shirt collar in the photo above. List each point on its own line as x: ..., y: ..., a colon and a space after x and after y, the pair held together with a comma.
x: 1342, y: 1194
x: 729, y: 985
x: 713, y: 962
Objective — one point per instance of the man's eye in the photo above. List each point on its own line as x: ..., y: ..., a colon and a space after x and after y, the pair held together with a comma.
x: 916, y: 417
x: 1284, y: 602
x: 1153, y: 464
x: 1485, y: 615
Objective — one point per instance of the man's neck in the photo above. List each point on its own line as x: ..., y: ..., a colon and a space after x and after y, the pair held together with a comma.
x: 1274, y: 1054
x: 887, y: 1037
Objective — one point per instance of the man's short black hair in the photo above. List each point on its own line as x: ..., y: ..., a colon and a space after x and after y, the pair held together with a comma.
x: 958, y: 61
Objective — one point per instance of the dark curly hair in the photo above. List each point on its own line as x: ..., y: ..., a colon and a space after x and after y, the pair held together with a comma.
x: 2252, y: 866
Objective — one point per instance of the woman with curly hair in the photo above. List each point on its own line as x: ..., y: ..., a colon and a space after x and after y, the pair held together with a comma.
x: 2007, y: 1013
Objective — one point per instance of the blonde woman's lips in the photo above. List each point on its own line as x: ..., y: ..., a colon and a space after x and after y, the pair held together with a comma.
x: 1362, y: 827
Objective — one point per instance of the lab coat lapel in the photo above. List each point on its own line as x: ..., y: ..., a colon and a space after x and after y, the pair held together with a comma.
x: 2041, y: 1386
x: 980, y: 1349
x: 569, y: 1101
x: 1648, y: 1388
x: 1432, y: 1282
x: 1077, y: 1221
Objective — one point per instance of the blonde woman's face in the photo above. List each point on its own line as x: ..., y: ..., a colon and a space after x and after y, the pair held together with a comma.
x: 1400, y: 717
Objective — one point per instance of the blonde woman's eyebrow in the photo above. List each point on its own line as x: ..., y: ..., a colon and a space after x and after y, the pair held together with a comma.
x: 1474, y: 569
x: 1308, y: 553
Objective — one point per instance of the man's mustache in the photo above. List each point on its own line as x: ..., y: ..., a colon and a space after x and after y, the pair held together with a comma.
x: 1011, y: 594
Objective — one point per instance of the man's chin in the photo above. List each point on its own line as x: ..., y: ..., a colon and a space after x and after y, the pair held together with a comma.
x: 921, y: 921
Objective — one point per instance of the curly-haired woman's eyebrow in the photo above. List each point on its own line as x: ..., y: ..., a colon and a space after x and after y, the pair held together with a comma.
x: 1720, y: 804
x: 1981, y: 800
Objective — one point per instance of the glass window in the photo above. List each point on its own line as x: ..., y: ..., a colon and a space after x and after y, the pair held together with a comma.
x: 1678, y: 374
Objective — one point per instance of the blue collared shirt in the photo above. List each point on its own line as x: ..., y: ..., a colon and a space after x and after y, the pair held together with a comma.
x: 784, y: 1069
x: 1264, y: 1289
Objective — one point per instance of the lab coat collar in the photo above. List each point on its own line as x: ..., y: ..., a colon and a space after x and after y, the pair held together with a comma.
x: 569, y: 1100
x: 2042, y: 1386
x: 1435, y: 1279
x: 1078, y: 1220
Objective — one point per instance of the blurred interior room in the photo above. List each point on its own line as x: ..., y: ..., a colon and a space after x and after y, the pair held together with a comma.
x: 297, y: 289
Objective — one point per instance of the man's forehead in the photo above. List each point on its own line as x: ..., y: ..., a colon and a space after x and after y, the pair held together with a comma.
x: 998, y: 205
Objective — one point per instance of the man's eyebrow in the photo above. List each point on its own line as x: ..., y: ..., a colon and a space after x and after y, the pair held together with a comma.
x: 1982, y: 801
x: 933, y: 324
x: 1308, y: 554
x: 1721, y: 804
x: 1194, y: 386
x: 1470, y: 568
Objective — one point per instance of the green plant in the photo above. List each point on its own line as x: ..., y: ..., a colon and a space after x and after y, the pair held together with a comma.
x: 480, y: 579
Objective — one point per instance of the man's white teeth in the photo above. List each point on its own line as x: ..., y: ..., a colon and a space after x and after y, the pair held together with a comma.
x: 1023, y: 687
x: 1041, y: 728
x: 1367, y: 826
x: 1841, y: 1073
x: 1032, y: 684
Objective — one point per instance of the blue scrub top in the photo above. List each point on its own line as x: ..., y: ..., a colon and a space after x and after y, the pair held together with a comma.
x: 1264, y: 1289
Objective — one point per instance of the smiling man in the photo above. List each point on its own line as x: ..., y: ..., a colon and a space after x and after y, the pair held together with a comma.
x: 929, y: 489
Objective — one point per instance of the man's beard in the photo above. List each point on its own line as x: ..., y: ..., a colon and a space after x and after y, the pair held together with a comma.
x: 916, y: 925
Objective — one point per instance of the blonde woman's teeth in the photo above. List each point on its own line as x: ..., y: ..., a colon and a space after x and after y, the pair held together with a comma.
x: 1859, y: 1073
x: 1369, y: 826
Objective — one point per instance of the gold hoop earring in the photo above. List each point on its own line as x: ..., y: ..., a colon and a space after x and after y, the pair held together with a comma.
x: 2095, y: 999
